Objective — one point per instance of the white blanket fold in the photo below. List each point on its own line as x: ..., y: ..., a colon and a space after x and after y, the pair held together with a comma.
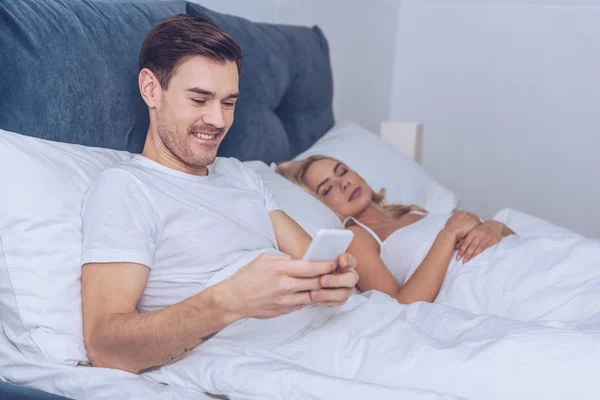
x: 373, y: 345
x: 535, y: 278
x: 520, y: 321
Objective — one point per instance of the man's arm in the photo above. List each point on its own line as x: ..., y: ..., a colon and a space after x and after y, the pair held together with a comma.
x: 118, y: 337
x: 121, y: 222
x: 291, y: 238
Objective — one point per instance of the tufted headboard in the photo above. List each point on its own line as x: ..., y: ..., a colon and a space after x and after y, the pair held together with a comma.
x: 69, y: 73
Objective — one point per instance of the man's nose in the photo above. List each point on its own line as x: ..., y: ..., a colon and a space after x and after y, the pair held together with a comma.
x: 215, y: 116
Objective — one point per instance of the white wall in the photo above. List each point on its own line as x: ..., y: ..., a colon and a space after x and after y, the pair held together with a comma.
x: 361, y: 37
x: 509, y: 92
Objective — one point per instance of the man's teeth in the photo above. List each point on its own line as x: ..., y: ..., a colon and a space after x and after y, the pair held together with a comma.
x: 204, y: 136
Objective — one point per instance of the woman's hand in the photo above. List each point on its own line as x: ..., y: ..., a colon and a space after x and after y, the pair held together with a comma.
x: 481, y: 238
x: 461, y: 223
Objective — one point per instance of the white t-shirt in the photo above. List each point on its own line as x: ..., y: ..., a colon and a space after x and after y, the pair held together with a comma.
x: 185, y: 228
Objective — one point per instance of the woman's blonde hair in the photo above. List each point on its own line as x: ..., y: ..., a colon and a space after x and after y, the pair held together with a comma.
x: 294, y: 171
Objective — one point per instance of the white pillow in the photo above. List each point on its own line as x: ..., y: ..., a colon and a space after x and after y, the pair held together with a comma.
x: 40, y: 232
x: 309, y: 212
x: 383, y: 166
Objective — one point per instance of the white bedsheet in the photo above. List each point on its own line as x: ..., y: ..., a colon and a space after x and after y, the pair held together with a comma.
x: 530, y: 276
x: 494, y: 333
x: 386, y: 351
x: 374, y: 348
x: 83, y: 382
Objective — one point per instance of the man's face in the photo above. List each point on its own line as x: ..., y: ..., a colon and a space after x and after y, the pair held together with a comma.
x: 196, y: 111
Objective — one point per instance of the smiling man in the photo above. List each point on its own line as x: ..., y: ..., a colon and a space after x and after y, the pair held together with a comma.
x: 191, y: 91
x: 179, y: 243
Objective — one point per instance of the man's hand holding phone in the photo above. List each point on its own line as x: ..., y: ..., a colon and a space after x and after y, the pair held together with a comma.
x: 273, y: 285
x: 329, y: 245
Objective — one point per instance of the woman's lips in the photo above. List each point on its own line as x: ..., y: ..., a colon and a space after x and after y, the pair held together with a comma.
x: 354, y: 194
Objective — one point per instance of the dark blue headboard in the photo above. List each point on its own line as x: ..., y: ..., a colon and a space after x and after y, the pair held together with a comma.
x: 69, y: 73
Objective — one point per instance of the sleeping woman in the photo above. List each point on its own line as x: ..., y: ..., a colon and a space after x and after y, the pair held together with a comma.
x: 484, y: 267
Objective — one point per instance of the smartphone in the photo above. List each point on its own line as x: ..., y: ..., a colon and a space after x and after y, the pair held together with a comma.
x: 328, y: 245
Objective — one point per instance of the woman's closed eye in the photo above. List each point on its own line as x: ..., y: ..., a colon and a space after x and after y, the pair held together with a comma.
x: 326, y: 191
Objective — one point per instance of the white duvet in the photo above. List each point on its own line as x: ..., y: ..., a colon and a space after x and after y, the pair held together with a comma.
x: 529, y: 278
x: 520, y: 321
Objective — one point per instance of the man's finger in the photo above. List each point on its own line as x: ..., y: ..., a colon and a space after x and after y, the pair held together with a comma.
x: 306, y: 269
x: 333, y: 303
x: 331, y: 295
x: 341, y: 280
x: 346, y: 260
x: 296, y: 300
x: 294, y: 285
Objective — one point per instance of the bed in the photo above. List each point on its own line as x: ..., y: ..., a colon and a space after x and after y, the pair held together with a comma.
x: 70, y: 107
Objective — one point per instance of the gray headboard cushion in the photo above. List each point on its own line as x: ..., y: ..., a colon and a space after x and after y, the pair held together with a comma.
x: 286, y: 88
x: 69, y: 73
x: 69, y: 69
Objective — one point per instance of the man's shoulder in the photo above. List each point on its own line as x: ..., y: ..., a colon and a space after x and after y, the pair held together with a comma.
x: 120, y: 172
x: 120, y: 183
x: 120, y: 176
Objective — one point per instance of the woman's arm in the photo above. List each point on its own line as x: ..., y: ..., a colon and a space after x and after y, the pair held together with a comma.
x: 291, y: 238
x: 372, y: 272
x: 423, y: 285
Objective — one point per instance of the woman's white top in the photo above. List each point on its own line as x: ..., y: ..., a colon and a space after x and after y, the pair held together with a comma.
x: 404, y: 250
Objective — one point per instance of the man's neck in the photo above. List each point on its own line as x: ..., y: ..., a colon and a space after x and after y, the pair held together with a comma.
x: 155, y: 150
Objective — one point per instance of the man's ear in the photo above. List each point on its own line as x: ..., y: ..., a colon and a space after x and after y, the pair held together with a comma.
x: 149, y: 87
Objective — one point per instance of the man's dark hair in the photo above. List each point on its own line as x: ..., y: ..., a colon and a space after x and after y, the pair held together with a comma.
x: 174, y: 39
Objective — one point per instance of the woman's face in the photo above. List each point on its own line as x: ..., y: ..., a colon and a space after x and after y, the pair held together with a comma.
x: 339, y: 187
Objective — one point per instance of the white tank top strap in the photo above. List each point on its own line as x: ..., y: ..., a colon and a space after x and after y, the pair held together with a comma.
x: 366, y: 228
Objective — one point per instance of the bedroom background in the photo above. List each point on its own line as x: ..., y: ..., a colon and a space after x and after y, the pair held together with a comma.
x: 509, y: 91
x: 451, y: 66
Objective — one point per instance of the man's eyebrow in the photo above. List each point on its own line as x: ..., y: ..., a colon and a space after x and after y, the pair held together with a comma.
x: 201, y: 91
x: 321, y: 184
x: 210, y: 94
